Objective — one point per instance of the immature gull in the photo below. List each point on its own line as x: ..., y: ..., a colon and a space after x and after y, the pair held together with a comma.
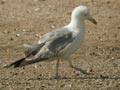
x: 60, y: 43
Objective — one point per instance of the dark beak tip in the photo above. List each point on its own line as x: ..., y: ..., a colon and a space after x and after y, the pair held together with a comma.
x: 93, y: 21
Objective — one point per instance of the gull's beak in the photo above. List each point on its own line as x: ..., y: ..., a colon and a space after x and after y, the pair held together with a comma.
x: 92, y: 20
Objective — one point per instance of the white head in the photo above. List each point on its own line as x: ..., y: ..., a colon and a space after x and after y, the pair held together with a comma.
x: 82, y: 13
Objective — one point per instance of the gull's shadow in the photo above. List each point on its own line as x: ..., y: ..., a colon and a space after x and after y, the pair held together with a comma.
x: 72, y: 78
x: 79, y: 78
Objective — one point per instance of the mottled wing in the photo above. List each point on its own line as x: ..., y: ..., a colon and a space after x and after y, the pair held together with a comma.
x: 61, y: 41
x: 54, y: 35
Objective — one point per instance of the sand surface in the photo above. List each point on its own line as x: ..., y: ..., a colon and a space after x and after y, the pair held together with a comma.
x: 24, y: 21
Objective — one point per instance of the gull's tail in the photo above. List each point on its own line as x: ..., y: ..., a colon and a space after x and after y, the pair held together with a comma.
x: 23, y: 62
x: 31, y: 51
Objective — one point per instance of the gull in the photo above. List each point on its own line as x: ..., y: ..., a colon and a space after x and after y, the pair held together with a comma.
x: 60, y: 43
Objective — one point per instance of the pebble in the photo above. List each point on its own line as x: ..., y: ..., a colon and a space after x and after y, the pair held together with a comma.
x: 15, y: 73
x: 70, y: 85
x: 7, y: 50
x: 11, y: 38
x: 37, y: 9
x: 53, y: 26
x: 3, y: 1
x: 89, y: 70
x: 109, y: 17
x: 103, y: 76
x: 94, y: 53
x: 23, y: 30
x: 115, y: 64
x: 38, y: 36
x: 118, y: 27
x: 113, y: 58
x: 18, y: 35
x: 4, y: 65
x: 27, y: 88
x: 108, y: 2
x: 5, y: 32
x: 35, y: 66
x: 63, y: 85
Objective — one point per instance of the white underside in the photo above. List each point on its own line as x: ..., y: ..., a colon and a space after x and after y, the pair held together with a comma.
x: 79, y: 37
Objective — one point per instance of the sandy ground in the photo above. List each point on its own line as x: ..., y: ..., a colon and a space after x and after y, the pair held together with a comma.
x: 24, y: 21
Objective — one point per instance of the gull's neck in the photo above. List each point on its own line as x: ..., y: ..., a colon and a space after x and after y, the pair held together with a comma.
x: 77, y: 23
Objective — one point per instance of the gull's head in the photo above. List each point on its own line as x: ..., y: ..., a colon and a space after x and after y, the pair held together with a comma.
x: 83, y: 13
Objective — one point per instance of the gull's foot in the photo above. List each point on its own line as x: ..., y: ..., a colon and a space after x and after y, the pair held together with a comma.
x: 88, y: 72
x: 56, y: 77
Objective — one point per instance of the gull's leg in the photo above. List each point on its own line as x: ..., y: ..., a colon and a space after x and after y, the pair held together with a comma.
x: 57, y: 67
x: 79, y: 69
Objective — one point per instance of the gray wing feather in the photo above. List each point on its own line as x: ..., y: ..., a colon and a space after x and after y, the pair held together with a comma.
x: 60, y: 42
x: 53, y: 42
x: 59, y: 39
x: 54, y: 34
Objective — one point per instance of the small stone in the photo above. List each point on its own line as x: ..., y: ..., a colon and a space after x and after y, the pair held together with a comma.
x: 4, y: 65
x: 92, y: 0
x: 35, y: 66
x: 94, y: 54
x: 118, y: 27
x: 70, y: 85
x: 15, y: 29
x: 103, y: 77
x: 113, y: 58
x: 109, y: 17
x: 43, y: 86
x: 37, y: 9
x: 77, y: 73
x: 11, y: 38
x: 27, y: 88
x: 15, y: 73
x: 38, y: 36
x: 53, y: 26
x: 3, y: 1
x: 18, y: 35
x: 23, y: 30
x: 115, y: 64
x: 7, y: 50
x: 89, y: 70
x: 62, y: 85
x: 108, y: 2
x: 5, y: 32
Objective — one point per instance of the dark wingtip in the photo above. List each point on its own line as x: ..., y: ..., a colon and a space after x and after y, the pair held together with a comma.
x: 15, y: 64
